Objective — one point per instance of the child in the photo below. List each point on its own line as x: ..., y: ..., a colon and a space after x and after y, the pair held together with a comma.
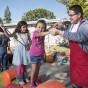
x: 4, y: 43
x: 20, y: 55
x: 37, y: 51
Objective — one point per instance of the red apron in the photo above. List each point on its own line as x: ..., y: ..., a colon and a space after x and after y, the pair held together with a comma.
x: 78, y: 65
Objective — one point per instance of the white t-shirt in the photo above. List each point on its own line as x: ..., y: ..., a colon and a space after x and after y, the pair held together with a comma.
x: 74, y: 27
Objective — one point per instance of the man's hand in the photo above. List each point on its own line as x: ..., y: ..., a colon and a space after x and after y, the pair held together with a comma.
x: 53, y: 31
x: 58, y: 25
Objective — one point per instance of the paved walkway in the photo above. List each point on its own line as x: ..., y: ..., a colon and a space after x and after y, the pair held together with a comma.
x: 54, y: 71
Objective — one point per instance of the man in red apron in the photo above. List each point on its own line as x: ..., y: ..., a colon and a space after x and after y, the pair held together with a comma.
x: 77, y: 35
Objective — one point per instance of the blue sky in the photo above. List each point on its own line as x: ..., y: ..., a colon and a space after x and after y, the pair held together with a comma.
x: 19, y: 7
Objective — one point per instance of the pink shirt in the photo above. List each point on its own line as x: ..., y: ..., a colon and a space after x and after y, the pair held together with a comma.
x: 37, y: 48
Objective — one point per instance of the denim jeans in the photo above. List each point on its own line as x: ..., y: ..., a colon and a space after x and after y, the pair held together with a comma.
x: 36, y: 59
x: 3, y: 59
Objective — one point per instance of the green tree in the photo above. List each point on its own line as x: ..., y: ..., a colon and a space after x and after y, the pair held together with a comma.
x: 83, y: 3
x: 33, y: 15
x: 7, y: 15
x: 1, y: 21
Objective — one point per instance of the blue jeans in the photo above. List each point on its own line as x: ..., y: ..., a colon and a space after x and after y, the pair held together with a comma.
x: 36, y: 59
x: 3, y: 59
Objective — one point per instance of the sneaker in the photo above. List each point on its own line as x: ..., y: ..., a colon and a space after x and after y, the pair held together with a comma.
x: 20, y: 80
x: 5, y: 68
x: 32, y: 85
x: 25, y: 77
x: 38, y: 81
